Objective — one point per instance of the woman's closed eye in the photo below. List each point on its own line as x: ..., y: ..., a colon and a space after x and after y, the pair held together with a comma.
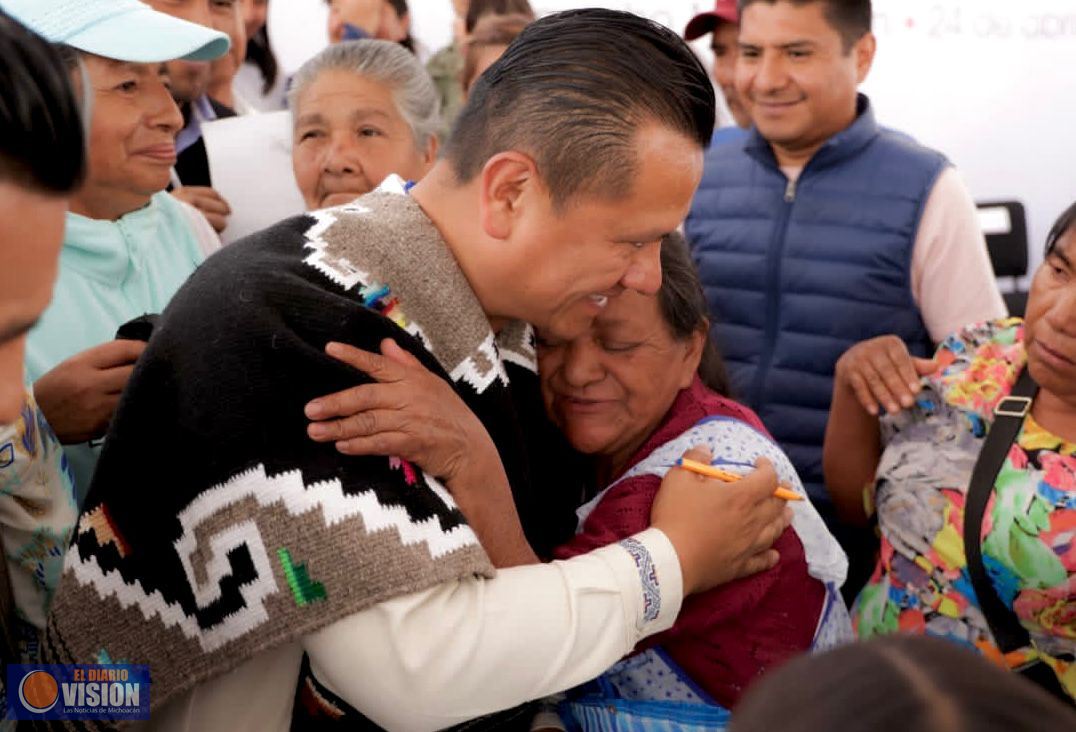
x: 544, y: 342
x: 1059, y: 269
x: 619, y: 346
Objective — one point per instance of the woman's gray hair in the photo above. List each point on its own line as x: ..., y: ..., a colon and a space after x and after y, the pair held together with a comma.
x: 386, y: 63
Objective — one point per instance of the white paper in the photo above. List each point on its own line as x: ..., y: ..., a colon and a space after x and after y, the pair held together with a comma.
x: 250, y: 166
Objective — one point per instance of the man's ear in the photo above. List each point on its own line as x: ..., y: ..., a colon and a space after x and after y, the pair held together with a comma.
x: 430, y: 157
x: 864, y: 50
x: 504, y: 182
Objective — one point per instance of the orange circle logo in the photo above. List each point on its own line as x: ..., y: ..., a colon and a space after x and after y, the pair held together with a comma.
x: 38, y: 691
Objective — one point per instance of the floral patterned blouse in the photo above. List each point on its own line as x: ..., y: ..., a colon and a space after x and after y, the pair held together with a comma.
x: 921, y: 583
x: 37, y: 516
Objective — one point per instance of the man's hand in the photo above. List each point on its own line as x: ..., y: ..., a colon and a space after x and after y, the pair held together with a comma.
x: 409, y: 412
x: 79, y: 396
x: 880, y: 371
x: 721, y: 531
x: 412, y: 413
x: 209, y: 202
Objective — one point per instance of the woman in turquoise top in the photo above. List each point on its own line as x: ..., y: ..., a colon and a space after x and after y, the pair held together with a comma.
x: 128, y: 245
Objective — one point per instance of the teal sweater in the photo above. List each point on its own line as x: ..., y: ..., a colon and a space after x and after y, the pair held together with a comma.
x: 111, y: 272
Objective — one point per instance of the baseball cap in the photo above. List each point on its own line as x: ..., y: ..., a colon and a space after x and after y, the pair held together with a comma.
x: 703, y: 23
x: 122, y: 30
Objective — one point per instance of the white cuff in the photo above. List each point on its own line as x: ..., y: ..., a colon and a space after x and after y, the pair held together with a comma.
x: 647, y: 570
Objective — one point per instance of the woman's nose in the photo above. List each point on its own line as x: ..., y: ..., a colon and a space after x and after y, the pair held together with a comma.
x: 582, y: 365
x: 340, y: 156
x: 770, y: 74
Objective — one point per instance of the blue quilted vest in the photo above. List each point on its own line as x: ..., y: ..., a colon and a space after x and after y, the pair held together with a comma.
x: 796, y: 273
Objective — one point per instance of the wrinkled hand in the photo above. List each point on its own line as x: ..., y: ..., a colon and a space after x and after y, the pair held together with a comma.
x: 209, y: 202
x: 880, y: 371
x: 721, y: 531
x: 79, y: 396
x: 409, y: 413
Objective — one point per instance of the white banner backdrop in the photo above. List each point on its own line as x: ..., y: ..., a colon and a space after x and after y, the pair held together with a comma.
x: 991, y: 83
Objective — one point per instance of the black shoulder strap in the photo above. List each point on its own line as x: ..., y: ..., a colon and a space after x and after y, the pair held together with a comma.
x: 1009, y: 634
x: 1008, y: 419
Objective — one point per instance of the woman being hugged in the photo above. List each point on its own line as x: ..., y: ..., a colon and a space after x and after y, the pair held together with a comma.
x: 632, y: 394
x: 972, y: 474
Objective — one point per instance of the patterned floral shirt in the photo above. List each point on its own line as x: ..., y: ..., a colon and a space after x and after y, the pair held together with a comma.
x: 37, y: 511
x: 921, y: 583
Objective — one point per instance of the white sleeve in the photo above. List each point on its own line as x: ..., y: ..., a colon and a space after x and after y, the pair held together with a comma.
x: 952, y: 279
x: 469, y: 648
x: 208, y: 241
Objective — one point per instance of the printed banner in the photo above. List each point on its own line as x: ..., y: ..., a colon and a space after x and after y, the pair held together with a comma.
x: 83, y: 691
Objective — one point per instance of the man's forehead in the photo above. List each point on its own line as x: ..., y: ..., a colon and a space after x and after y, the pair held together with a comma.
x: 724, y: 32
x: 786, y: 21
x: 625, y: 220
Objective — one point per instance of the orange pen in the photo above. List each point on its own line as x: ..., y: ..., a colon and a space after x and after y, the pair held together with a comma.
x: 723, y: 475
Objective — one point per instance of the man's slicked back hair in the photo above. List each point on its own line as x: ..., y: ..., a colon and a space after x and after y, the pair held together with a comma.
x: 572, y: 90
x: 851, y: 18
x: 41, y: 139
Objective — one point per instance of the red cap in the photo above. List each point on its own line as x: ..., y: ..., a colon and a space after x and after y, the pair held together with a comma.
x: 703, y: 23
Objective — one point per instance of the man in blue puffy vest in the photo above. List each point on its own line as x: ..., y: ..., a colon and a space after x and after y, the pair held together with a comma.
x: 821, y: 229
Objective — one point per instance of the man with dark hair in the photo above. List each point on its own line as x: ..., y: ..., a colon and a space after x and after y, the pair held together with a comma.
x: 219, y: 542
x: 42, y: 162
x: 822, y: 229
x: 580, y: 122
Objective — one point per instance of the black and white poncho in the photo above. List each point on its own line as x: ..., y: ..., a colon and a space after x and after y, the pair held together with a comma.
x: 215, y: 529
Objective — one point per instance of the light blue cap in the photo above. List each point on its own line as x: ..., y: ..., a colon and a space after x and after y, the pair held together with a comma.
x: 123, y: 30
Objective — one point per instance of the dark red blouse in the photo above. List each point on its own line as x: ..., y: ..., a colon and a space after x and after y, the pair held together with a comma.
x: 729, y: 636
